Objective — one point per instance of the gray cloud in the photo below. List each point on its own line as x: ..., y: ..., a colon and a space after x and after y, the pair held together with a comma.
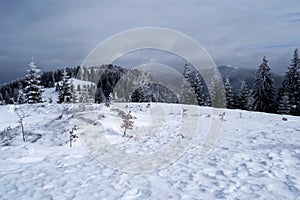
x: 61, y: 33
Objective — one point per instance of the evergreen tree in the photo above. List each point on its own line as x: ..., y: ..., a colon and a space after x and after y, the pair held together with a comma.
x: 243, y: 97
x: 78, y: 88
x: 91, y: 91
x: 21, y: 97
x: 86, y: 95
x: 263, y: 89
x: 207, y: 101
x: 229, y: 94
x: 284, y: 106
x: 198, y: 88
x: 291, y: 84
x: 1, y: 98
x: 6, y: 96
x: 85, y: 74
x: 79, y: 74
x: 75, y: 93
x: 57, y: 87
x: 65, y: 94
x: 188, y: 95
x: 93, y: 76
x: 33, y: 90
x: 140, y: 81
x: 99, y: 95
x: 217, y: 93
x: 143, y: 79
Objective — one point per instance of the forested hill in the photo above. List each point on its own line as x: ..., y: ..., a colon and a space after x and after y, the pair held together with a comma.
x: 238, y: 82
x: 236, y: 75
x: 48, y: 79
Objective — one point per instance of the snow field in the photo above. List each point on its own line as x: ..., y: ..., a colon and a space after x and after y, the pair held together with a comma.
x: 256, y: 157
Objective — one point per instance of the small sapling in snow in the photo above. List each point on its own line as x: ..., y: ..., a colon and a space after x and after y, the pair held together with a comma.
x: 127, y: 123
x: 21, y: 116
x: 73, y: 135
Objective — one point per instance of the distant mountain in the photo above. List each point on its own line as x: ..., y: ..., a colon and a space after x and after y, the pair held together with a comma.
x: 236, y: 75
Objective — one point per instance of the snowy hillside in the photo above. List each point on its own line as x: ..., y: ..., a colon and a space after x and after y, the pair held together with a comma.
x: 256, y: 157
x: 50, y: 95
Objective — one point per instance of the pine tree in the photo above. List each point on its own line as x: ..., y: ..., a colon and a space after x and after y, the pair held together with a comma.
x: 229, y: 94
x: 243, y: 97
x: 291, y: 84
x: 6, y: 96
x: 85, y: 74
x: 75, y: 93
x: 79, y: 75
x: 143, y: 79
x: 21, y: 97
x: 140, y: 82
x: 57, y: 87
x: 263, y: 89
x: 1, y: 99
x: 33, y: 90
x: 284, y: 106
x: 99, y: 95
x: 198, y: 88
x: 78, y: 88
x: 65, y: 94
x: 217, y: 92
x: 87, y: 94
x: 188, y: 95
x: 207, y: 101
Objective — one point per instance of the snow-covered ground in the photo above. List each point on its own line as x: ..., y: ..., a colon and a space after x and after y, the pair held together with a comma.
x: 256, y: 157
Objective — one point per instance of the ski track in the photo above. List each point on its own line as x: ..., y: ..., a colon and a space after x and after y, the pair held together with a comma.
x: 256, y: 157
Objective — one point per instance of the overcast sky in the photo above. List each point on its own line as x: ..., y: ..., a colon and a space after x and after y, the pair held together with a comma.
x: 61, y: 33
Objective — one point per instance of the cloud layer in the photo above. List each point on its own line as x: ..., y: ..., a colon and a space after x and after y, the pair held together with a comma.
x: 61, y: 33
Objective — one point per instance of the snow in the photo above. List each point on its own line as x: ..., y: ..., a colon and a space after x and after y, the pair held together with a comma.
x: 49, y: 93
x: 256, y: 157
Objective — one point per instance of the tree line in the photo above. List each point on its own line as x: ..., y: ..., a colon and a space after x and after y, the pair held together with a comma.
x: 13, y: 92
x: 114, y: 82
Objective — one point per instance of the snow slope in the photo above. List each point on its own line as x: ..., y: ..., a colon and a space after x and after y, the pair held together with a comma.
x: 256, y: 157
x: 50, y: 94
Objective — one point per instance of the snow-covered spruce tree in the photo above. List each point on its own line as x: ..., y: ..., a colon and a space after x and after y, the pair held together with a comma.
x: 188, y: 95
x: 207, y: 101
x: 229, y: 94
x: 65, y: 94
x: 198, y: 88
x: 21, y: 97
x: 87, y: 94
x: 57, y: 87
x: 243, y: 97
x: 291, y: 84
x: 143, y: 79
x: 33, y: 90
x: 263, y: 89
x: 99, y: 95
x: 217, y: 94
x: 1, y: 99
x: 139, y: 78
x: 284, y: 106
x: 75, y: 93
